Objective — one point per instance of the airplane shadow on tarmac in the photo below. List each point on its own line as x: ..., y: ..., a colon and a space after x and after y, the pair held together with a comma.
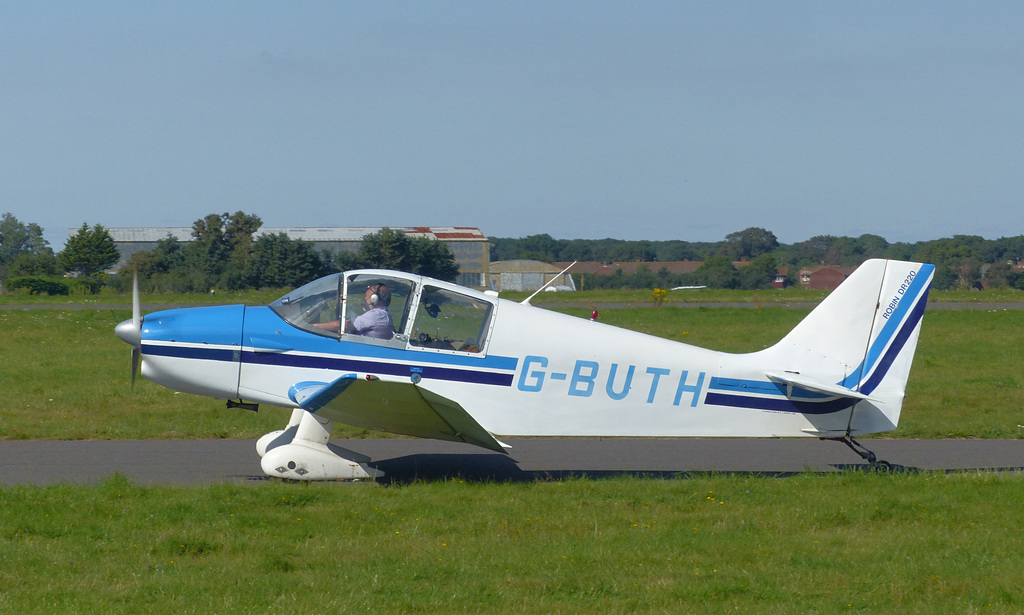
x: 499, y: 468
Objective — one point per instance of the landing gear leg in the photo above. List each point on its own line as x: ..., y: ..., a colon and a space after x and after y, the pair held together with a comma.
x: 302, y: 452
x: 864, y: 453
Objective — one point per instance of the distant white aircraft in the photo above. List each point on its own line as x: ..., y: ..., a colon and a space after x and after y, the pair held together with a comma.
x: 441, y: 361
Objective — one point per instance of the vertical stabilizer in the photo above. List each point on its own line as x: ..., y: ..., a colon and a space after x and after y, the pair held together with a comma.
x: 862, y: 339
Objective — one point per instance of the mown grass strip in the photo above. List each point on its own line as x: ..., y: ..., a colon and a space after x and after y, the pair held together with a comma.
x: 850, y: 542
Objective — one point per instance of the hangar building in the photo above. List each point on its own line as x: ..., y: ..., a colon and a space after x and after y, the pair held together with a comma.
x: 527, y: 275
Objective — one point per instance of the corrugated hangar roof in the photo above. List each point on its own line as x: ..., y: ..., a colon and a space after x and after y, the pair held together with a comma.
x: 308, y: 233
x: 131, y: 235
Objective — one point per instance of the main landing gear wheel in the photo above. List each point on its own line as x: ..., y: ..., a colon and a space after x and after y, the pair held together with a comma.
x: 302, y: 452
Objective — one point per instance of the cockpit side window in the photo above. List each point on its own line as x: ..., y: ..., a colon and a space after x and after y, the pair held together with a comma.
x: 376, y: 307
x: 448, y: 320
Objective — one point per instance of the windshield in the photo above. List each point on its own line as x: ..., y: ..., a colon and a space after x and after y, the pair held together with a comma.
x: 313, y: 307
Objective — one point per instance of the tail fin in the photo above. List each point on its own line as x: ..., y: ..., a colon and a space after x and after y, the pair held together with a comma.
x: 859, y: 344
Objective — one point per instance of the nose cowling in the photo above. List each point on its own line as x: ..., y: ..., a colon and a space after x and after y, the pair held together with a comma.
x: 192, y: 350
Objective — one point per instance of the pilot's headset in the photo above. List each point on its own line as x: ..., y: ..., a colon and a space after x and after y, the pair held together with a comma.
x: 374, y: 298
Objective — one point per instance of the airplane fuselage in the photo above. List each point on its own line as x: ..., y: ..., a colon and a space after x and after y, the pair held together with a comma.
x: 540, y: 373
x: 458, y: 364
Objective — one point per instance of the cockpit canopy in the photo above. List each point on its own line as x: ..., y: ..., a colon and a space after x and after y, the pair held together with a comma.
x: 426, y: 313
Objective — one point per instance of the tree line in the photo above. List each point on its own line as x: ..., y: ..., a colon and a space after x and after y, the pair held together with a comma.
x: 224, y: 253
x: 962, y: 261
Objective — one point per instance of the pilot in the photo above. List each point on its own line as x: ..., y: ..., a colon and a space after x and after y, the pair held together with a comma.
x: 376, y: 320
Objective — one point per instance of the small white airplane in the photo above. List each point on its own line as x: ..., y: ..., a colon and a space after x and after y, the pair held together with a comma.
x: 406, y: 354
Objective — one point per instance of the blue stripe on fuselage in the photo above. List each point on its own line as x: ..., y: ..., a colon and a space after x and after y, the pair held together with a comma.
x: 340, y: 363
x: 778, y: 404
x: 738, y: 385
x: 191, y: 352
x: 768, y: 395
x: 406, y: 368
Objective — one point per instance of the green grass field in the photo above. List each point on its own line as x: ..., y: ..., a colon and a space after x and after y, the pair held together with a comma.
x: 846, y: 543
x: 812, y: 543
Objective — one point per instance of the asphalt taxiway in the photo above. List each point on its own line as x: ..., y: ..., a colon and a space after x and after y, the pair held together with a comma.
x: 201, y: 462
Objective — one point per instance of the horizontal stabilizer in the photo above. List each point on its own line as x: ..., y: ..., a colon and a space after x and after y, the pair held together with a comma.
x: 793, y: 380
x: 311, y: 396
x: 833, y: 433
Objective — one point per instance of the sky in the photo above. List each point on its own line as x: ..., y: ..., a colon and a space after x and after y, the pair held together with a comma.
x: 631, y: 120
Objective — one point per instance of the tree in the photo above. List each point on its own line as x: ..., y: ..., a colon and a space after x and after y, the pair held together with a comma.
x: 815, y: 250
x: 345, y: 260
x: 758, y: 274
x: 541, y: 247
x: 630, y: 251
x: 578, y: 250
x: 717, y: 272
x: 434, y: 259
x: 643, y: 277
x: 676, y: 250
x: 873, y: 246
x: 89, y: 252
x: 1005, y: 249
x: 171, y: 253
x: 40, y: 264
x: 17, y: 239
x: 391, y: 249
x: 999, y: 275
x: 222, y: 248
x: 750, y: 243
x: 956, y: 263
x: 281, y: 261
x: 386, y: 249
x: 23, y: 251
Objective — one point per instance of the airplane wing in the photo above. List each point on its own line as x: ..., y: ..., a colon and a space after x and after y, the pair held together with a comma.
x: 394, y: 407
x: 796, y: 381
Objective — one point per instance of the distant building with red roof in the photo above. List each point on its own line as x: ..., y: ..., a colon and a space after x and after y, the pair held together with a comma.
x: 823, y: 277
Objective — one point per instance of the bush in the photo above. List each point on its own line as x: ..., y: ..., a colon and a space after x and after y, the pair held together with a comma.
x: 39, y: 286
x: 85, y: 286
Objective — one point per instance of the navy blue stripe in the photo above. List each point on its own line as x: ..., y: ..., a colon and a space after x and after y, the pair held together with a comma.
x: 393, y: 369
x: 289, y: 360
x: 896, y: 347
x: 189, y: 352
x: 904, y: 312
x: 777, y: 404
x: 761, y: 387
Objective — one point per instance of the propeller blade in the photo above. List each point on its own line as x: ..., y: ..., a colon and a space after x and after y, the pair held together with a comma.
x: 136, y: 325
x: 136, y: 355
x: 136, y: 308
x: 130, y: 331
